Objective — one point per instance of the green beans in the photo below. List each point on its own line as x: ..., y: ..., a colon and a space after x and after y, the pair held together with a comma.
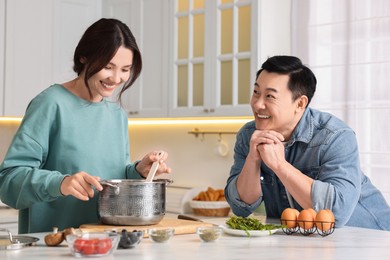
x: 249, y: 223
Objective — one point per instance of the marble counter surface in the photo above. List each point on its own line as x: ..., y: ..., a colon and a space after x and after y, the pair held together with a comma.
x: 9, y: 219
x: 344, y: 243
x: 8, y: 215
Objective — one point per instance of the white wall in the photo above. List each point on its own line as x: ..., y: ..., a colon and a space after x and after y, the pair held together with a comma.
x: 195, y: 163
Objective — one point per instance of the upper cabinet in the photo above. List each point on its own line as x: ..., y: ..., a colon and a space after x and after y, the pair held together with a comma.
x: 214, y: 56
x: 2, y: 54
x: 199, y: 57
x: 40, y: 37
x: 147, y: 19
x: 27, y: 62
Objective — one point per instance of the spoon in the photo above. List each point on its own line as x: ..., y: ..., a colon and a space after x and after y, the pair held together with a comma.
x: 154, y: 168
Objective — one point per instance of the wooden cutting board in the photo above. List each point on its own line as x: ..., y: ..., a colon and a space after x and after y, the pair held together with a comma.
x: 181, y: 226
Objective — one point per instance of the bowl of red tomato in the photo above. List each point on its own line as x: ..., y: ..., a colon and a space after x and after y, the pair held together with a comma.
x: 93, y: 244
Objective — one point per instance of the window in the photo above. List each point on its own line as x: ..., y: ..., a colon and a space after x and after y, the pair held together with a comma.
x: 346, y: 43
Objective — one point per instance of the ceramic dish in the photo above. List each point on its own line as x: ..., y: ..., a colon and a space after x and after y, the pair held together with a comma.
x: 251, y: 233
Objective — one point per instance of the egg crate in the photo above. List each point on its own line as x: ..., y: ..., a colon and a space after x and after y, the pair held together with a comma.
x: 307, y: 227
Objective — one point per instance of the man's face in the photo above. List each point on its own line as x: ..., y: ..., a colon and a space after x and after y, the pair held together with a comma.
x: 272, y: 104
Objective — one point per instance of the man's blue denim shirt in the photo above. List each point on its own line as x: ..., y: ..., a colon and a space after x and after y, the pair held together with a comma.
x: 324, y: 148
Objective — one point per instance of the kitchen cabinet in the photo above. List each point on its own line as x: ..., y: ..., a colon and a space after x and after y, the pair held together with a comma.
x: 214, y: 54
x: 215, y: 75
x: 216, y: 48
x: 147, y: 20
x: 27, y: 66
x: 39, y: 39
x: 2, y: 53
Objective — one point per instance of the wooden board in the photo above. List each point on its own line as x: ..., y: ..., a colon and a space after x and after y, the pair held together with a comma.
x: 181, y: 226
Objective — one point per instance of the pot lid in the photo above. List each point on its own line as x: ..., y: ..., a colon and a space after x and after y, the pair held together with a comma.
x: 10, y: 242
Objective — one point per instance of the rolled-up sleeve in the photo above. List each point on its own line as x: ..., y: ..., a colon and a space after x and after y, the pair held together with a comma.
x: 241, y: 150
x: 239, y: 207
x: 337, y: 186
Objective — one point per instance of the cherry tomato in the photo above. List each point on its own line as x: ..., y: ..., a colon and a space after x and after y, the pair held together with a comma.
x: 104, y: 246
x: 92, y: 246
x: 79, y: 245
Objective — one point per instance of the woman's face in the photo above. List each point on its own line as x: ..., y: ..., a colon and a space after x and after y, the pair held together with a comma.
x: 113, y: 75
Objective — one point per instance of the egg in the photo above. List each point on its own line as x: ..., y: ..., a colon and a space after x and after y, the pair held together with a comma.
x: 289, y: 217
x: 313, y: 212
x: 324, y: 220
x: 331, y: 214
x: 306, y: 219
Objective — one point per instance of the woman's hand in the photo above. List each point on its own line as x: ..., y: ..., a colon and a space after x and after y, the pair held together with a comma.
x: 80, y: 185
x: 143, y: 167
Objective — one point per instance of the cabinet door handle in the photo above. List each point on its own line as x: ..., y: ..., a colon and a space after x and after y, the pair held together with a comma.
x: 211, y: 110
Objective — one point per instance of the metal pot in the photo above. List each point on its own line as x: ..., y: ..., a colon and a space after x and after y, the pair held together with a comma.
x: 132, y: 202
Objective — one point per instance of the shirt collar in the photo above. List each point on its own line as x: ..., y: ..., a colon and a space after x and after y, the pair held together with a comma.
x: 304, y: 130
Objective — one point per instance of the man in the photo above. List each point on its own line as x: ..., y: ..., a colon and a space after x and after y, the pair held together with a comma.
x: 295, y: 156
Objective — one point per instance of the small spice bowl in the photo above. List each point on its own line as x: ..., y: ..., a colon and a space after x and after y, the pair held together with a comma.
x: 130, y: 239
x: 209, y: 234
x: 161, y: 235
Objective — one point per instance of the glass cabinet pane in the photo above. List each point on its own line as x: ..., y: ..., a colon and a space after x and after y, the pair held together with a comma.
x: 198, y: 91
x: 182, y: 44
x: 182, y: 82
x: 226, y: 83
x: 198, y: 35
x: 182, y: 5
x: 244, y: 81
x: 226, y: 31
x: 198, y: 4
x: 227, y: 43
x: 244, y: 29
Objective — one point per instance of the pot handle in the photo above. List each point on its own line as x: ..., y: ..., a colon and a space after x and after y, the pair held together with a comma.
x: 167, y: 181
x: 104, y: 182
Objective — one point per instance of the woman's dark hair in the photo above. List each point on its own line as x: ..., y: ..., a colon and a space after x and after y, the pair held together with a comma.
x: 98, y: 46
x: 302, y: 80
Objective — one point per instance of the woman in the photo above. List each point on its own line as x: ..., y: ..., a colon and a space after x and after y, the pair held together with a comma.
x: 71, y: 136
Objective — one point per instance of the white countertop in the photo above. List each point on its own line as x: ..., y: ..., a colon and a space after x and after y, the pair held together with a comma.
x: 344, y: 243
x: 8, y: 215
